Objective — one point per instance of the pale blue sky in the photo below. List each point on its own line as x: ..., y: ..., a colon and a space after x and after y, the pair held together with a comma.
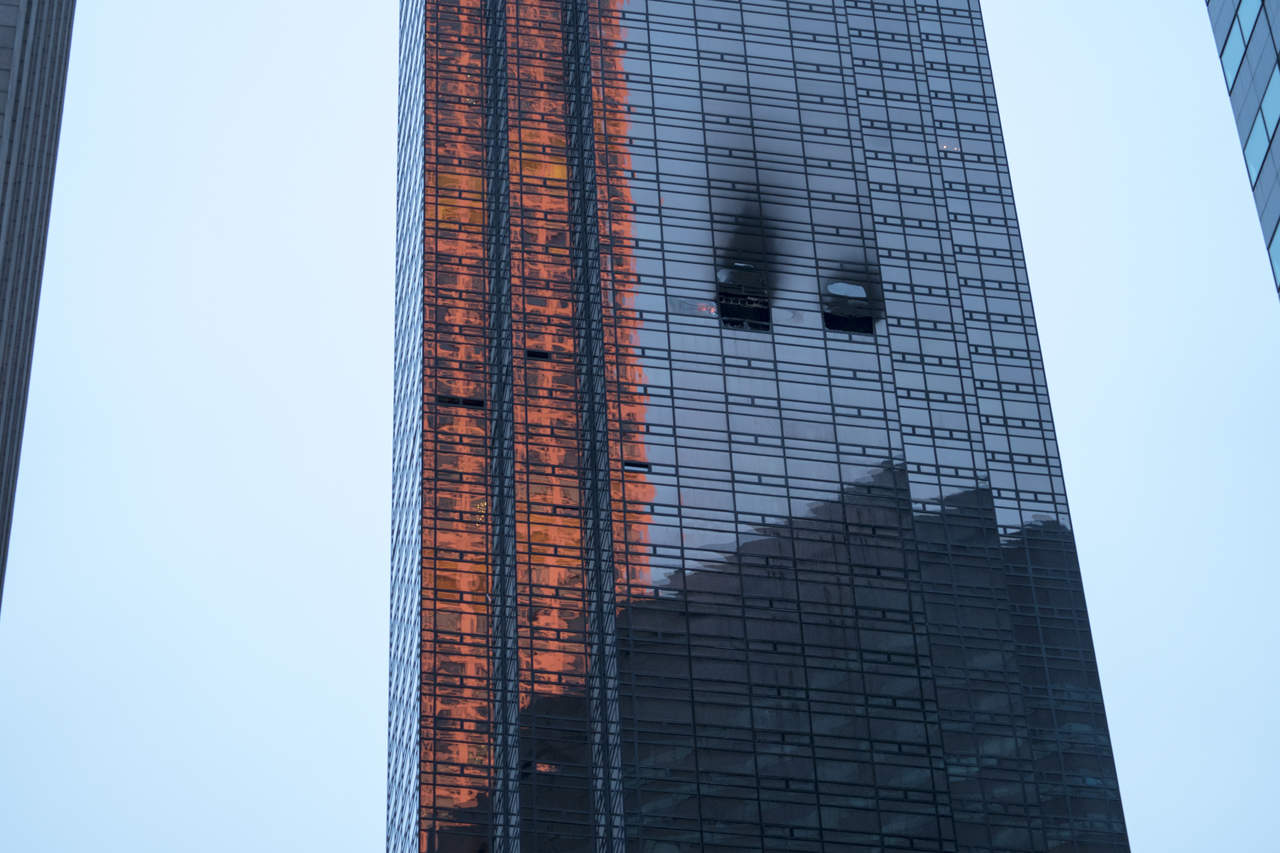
x: 193, y: 640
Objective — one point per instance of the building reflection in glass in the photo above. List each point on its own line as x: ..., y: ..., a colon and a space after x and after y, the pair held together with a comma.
x: 855, y: 674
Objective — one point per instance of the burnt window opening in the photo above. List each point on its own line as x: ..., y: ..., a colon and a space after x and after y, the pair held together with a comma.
x: 841, y: 323
x: 463, y: 402
x: 853, y: 300
x: 743, y: 281
x: 742, y: 297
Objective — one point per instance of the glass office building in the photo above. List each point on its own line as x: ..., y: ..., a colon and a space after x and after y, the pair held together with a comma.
x: 35, y: 39
x: 727, y: 509
x: 1246, y: 33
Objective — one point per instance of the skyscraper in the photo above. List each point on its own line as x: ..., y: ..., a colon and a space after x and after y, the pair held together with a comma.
x: 727, y: 509
x: 1246, y: 33
x: 35, y: 38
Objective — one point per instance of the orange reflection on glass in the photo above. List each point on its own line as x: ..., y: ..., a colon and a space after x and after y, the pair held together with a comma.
x: 552, y: 651
x: 550, y: 584
x: 454, y: 737
x: 631, y: 492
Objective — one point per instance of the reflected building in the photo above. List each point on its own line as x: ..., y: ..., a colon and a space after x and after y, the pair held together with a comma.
x: 35, y: 40
x: 727, y: 511
x: 1246, y: 33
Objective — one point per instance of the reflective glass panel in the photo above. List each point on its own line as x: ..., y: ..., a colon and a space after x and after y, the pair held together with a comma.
x: 1255, y: 150
x: 1271, y: 102
x: 1248, y: 16
x: 1232, y: 54
x: 1274, y: 252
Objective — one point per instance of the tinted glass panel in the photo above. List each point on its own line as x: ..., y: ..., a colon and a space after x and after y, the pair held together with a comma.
x: 1232, y: 54
x: 1274, y: 252
x: 1248, y: 15
x: 1255, y: 150
x: 1271, y: 102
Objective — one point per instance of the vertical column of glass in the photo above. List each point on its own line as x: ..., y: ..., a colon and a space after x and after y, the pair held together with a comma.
x: 1057, y: 669
x: 954, y: 537
x: 899, y: 698
x: 594, y: 460
x: 456, y: 725
x: 1004, y: 807
x: 403, y: 705
x: 843, y: 514
x: 658, y: 254
x: 504, y: 616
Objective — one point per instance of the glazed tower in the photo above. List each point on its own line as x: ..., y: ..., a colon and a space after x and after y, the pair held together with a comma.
x: 35, y: 42
x: 1246, y: 33
x: 727, y: 510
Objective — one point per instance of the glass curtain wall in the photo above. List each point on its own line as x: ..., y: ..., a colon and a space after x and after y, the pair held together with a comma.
x: 728, y: 508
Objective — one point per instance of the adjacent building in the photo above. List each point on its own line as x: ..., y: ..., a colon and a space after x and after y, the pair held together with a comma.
x: 35, y: 39
x: 727, y: 507
x: 1246, y: 34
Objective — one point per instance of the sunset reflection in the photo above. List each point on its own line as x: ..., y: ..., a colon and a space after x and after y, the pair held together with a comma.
x: 456, y: 736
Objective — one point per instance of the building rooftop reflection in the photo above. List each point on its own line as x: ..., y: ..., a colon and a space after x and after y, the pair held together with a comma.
x: 883, y: 671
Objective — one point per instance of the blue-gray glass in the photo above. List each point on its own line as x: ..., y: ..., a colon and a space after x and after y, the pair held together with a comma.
x: 35, y: 40
x: 1246, y: 33
x: 859, y: 623
x: 406, y: 497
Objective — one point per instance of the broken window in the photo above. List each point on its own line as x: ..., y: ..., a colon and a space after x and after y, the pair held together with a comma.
x: 852, y: 299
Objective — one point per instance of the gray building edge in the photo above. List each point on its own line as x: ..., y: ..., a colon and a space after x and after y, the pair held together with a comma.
x: 35, y: 42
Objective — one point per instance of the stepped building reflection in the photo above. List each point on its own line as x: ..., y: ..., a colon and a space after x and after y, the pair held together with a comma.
x: 855, y: 673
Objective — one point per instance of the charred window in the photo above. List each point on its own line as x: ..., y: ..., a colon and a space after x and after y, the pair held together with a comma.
x: 742, y: 297
x: 742, y: 276
x: 852, y: 299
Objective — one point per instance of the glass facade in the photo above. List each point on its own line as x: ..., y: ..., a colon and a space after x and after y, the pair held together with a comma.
x: 35, y: 40
x: 727, y: 506
x: 1247, y: 33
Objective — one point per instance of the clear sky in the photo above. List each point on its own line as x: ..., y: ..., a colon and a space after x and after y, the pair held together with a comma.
x: 193, y: 640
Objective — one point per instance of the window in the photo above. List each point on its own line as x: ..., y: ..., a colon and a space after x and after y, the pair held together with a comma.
x: 1271, y: 102
x: 1232, y: 54
x: 463, y: 402
x: 853, y: 302
x: 1274, y: 251
x: 1247, y: 15
x: 1255, y: 150
x: 854, y: 324
x: 742, y: 297
x: 743, y: 281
